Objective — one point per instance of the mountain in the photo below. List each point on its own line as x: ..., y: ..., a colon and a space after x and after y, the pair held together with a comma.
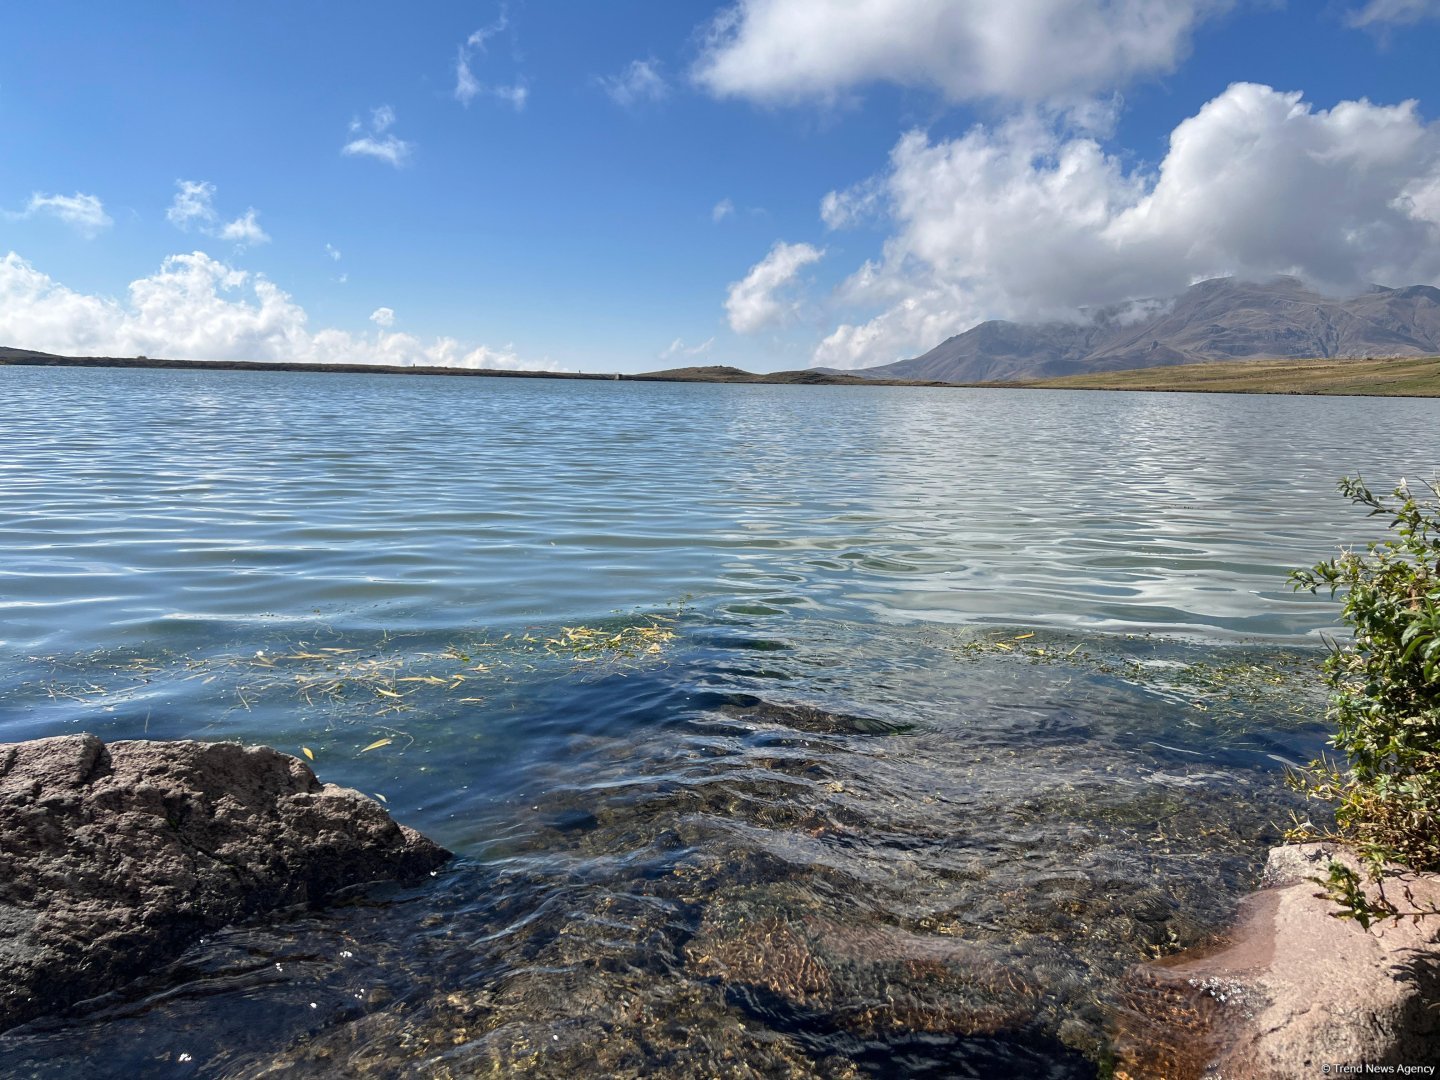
x: 1220, y: 319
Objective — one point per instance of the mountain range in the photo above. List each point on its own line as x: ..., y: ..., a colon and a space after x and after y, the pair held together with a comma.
x: 1219, y: 319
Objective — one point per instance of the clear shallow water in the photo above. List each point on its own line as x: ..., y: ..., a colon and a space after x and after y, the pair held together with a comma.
x: 823, y: 807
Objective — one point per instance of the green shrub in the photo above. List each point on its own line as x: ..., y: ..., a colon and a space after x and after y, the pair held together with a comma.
x: 1385, y: 684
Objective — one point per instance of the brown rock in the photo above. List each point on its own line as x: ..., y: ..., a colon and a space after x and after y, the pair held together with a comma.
x: 113, y: 859
x: 1293, y: 988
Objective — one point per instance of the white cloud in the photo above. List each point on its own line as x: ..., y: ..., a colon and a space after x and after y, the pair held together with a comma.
x: 516, y: 95
x: 383, y: 317
x: 193, y: 203
x: 389, y: 149
x: 640, y: 82
x: 779, y: 51
x: 721, y: 210
x: 755, y: 301
x: 1393, y: 12
x: 333, y: 252
x: 1027, y: 221
x: 245, y: 230
x: 197, y: 308
x: 377, y: 142
x: 841, y: 209
x: 678, y: 348
x: 194, y: 206
x: 468, y: 87
x: 83, y: 213
x: 485, y: 33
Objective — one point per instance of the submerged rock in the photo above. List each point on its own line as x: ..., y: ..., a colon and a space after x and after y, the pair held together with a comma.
x: 1293, y: 989
x: 810, y: 719
x: 115, y: 858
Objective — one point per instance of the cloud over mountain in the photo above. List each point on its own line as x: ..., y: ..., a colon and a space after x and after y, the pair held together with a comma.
x: 1219, y: 319
x: 1029, y: 219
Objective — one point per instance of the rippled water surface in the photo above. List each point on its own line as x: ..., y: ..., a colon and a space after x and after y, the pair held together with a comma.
x: 809, y: 731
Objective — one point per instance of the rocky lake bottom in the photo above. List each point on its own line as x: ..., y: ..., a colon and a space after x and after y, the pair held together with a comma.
x: 733, y: 858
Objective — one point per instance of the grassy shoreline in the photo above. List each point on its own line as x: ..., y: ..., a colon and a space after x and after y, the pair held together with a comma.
x: 1405, y: 377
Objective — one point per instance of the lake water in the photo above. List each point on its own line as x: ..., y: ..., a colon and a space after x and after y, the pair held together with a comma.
x: 818, y: 731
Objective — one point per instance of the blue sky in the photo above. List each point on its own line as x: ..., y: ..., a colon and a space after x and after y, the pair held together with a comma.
x: 627, y: 186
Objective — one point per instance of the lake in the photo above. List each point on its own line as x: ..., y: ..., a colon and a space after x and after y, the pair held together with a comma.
x: 823, y: 731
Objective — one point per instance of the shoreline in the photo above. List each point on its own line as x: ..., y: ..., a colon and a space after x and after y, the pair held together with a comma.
x: 22, y: 358
x: 1407, y: 377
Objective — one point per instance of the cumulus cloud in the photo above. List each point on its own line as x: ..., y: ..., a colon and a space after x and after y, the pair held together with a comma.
x: 83, y: 213
x: 333, y: 252
x: 245, y: 230
x: 841, y: 209
x: 1026, y: 220
x: 194, y: 207
x: 1380, y: 13
x: 640, y: 82
x: 780, y: 51
x: 194, y: 203
x: 377, y: 140
x: 757, y: 300
x: 383, y: 317
x: 197, y: 308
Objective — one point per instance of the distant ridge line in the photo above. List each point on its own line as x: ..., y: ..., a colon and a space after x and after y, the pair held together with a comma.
x: 9, y: 357
x: 808, y: 377
x: 1402, y: 377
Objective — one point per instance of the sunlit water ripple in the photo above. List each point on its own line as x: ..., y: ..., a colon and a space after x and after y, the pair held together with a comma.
x: 973, y: 698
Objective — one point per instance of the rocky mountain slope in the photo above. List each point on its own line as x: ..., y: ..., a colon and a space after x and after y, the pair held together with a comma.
x: 1220, y: 319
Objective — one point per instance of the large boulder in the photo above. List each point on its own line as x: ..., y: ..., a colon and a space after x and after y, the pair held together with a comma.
x: 1294, y: 988
x: 115, y: 858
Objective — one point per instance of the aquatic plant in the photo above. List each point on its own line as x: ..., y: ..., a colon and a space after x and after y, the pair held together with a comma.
x: 370, y: 682
x: 1384, y: 691
x: 1234, y: 688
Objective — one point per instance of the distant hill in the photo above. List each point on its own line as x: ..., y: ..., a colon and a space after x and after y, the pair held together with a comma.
x: 715, y: 373
x: 1220, y: 319
x: 24, y: 355
x: 722, y: 373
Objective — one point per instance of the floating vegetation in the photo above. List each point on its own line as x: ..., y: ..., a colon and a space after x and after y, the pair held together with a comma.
x: 364, y: 680
x: 1281, y: 683
x: 588, y: 643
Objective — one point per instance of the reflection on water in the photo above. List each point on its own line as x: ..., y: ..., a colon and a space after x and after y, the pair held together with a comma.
x: 132, y: 500
x: 886, y: 803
